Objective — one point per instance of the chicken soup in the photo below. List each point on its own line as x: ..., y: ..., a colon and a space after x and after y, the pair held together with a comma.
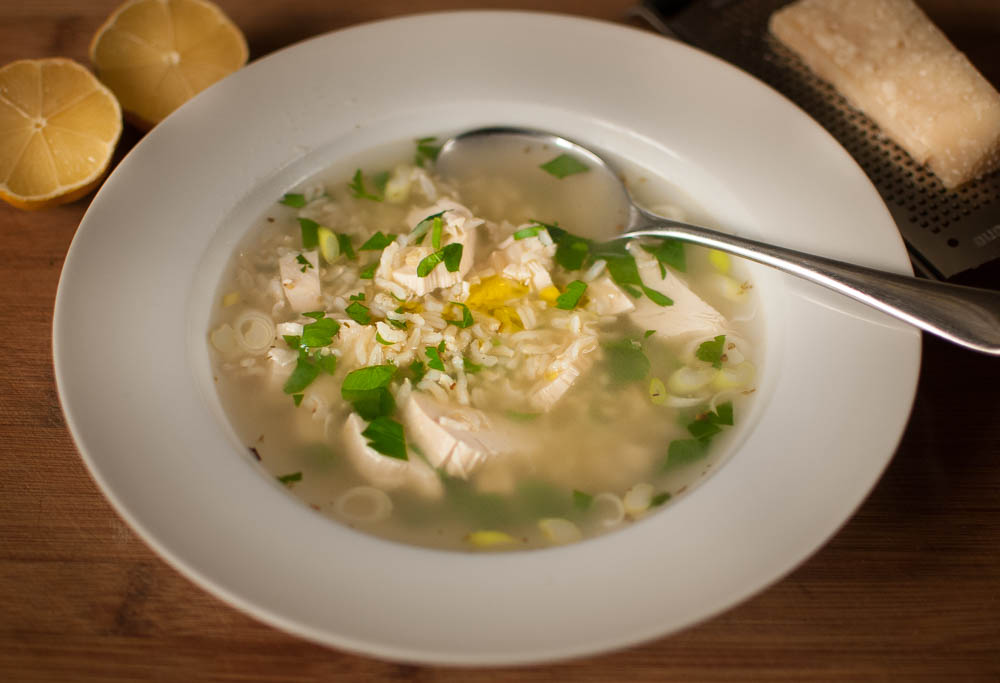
x: 452, y: 364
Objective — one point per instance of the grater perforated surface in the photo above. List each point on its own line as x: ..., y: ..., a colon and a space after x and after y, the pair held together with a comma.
x: 947, y: 231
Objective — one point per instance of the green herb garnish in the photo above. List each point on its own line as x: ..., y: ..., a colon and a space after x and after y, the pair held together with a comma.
x: 626, y: 361
x: 564, y: 165
x: 466, y: 320
x: 582, y: 500
x: 319, y: 333
x: 293, y: 199
x: 659, y: 499
x: 310, y: 233
x: 426, y: 151
x: 568, y: 300
x: 290, y: 478
x: 436, y: 229
x: 450, y: 255
x: 360, y: 296
x: 469, y: 367
x: 377, y: 241
x: 302, y: 376
x: 421, y: 228
x: 522, y: 417
x: 669, y: 252
x: 368, y: 272
x: 357, y: 187
x: 434, y: 358
x: 368, y: 389
x: 327, y: 363
x: 382, y: 340
x: 297, y: 398
x: 525, y: 233
x: 385, y: 435
x: 359, y: 313
x: 657, y: 298
x: 304, y: 262
x: 712, y: 351
x: 418, y: 370
x: 345, y: 246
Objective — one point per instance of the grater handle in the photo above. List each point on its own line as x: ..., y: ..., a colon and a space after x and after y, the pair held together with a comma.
x: 967, y: 316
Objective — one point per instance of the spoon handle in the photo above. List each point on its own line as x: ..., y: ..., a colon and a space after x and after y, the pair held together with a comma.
x: 967, y: 316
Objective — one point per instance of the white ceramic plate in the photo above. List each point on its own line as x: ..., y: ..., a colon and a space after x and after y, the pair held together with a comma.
x: 132, y: 313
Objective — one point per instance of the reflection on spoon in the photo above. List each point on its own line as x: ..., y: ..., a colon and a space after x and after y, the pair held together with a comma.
x: 966, y: 316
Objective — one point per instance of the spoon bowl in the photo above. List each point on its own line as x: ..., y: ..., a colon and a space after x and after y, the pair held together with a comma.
x: 966, y: 316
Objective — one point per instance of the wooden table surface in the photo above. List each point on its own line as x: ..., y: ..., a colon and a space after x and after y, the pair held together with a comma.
x: 909, y: 589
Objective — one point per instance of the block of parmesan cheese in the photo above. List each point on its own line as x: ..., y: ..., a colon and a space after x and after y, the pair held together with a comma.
x: 892, y: 63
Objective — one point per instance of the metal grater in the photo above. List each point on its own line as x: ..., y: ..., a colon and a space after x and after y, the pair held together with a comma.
x: 947, y: 231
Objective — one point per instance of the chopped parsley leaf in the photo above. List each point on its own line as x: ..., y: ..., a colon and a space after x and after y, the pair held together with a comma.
x: 377, y: 241
x: 381, y: 179
x: 293, y: 199
x: 368, y: 272
x: 522, y: 417
x: 327, y: 364
x: 319, y: 333
x: 304, y: 261
x: 315, y: 315
x: 685, y: 451
x: 398, y: 324
x: 525, y: 233
x: 298, y: 399
x: 626, y: 361
x: 426, y: 151
x: 310, y: 233
x: 437, y: 226
x: 450, y: 255
x: 359, y: 313
x: 290, y: 478
x: 345, y: 246
x: 466, y: 320
x: 357, y: 188
x: 434, y: 358
x: 659, y: 499
x: 360, y: 296
x: 382, y: 340
x: 293, y: 340
x: 371, y: 377
x: 469, y: 367
x: 302, y: 376
x: 582, y: 500
x: 712, y: 351
x: 669, y: 252
x: 418, y: 370
x: 385, y: 435
x: 568, y: 300
x: 368, y: 389
x: 648, y: 333
x: 421, y: 228
x: 564, y: 165
x: 724, y: 414
x: 657, y: 298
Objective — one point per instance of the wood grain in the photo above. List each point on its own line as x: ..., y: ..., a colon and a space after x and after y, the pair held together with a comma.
x: 908, y: 590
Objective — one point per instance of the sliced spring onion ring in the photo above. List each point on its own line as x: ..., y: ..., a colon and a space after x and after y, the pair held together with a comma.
x: 638, y: 498
x: 609, y: 509
x: 254, y: 331
x: 559, y: 531
x: 364, y: 504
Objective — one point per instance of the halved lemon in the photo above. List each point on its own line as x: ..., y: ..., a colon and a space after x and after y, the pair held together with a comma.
x: 155, y: 55
x: 58, y: 129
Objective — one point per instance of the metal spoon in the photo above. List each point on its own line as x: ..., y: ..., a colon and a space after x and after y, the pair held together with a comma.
x: 967, y: 316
